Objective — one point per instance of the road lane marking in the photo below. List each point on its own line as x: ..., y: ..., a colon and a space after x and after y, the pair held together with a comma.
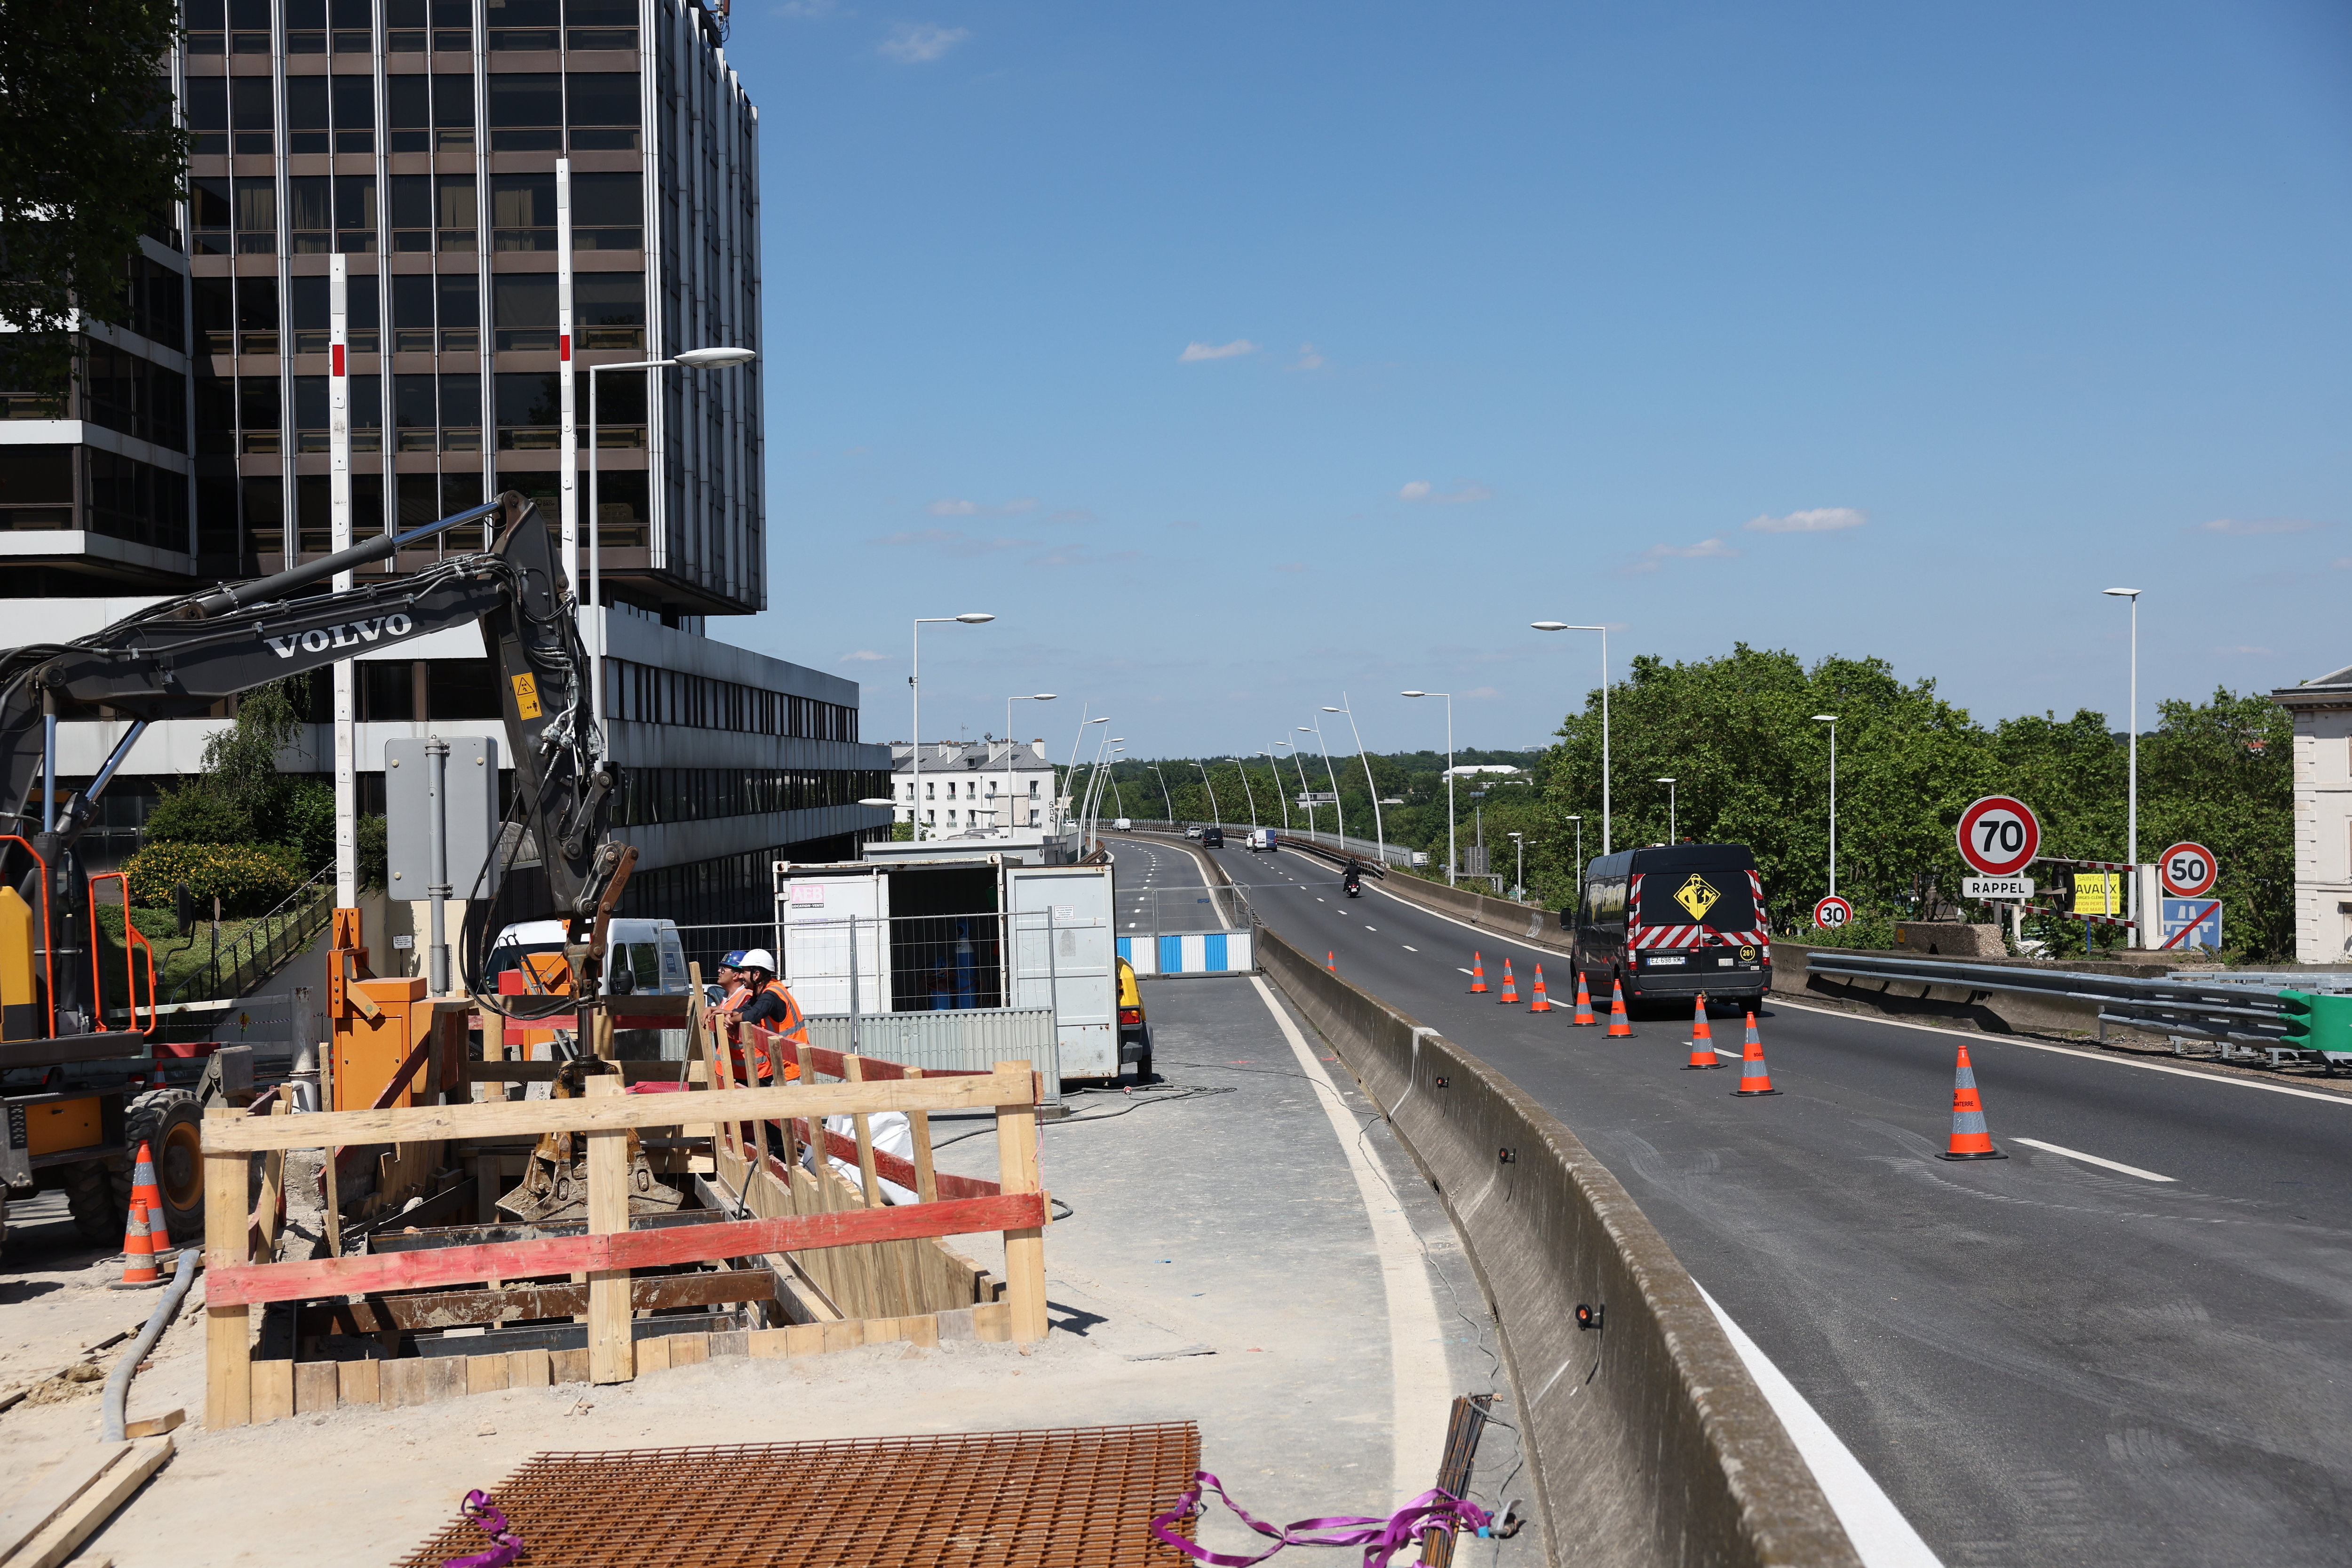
x: 2092, y: 1159
x: 1882, y: 1537
x: 1371, y: 928
x: 1462, y: 970
x: 1419, y: 1386
x: 1409, y: 947
x: 2341, y: 1100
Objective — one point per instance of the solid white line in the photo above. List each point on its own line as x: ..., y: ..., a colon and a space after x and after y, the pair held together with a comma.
x: 1482, y: 931
x: 2342, y: 1100
x: 1882, y: 1537
x: 1420, y: 1387
x: 1409, y: 947
x: 1371, y: 928
x: 2093, y: 1160
x: 1458, y: 968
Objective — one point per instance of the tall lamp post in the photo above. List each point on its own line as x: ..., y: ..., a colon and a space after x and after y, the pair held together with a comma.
x: 1519, y: 874
x: 915, y: 694
x: 1033, y: 697
x: 1242, y: 768
x: 1337, y: 810
x: 1164, y: 794
x: 1831, y: 721
x: 1564, y: 626
x: 1215, y: 814
x: 1580, y: 858
x: 1449, y: 777
x: 689, y: 359
x: 1380, y: 834
x: 2131, y: 728
x: 1672, y: 834
x: 1275, y: 763
x: 1299, y: 758
x: 1070, y: 779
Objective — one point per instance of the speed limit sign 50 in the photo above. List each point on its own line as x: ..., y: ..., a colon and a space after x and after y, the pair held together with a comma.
x: 2187, y: 871
x: 1831, y: 912
x: 1998, y: 836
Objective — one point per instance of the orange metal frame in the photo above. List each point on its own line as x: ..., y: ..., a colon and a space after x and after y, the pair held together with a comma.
x: 132, y: 944
x: 48, y: 948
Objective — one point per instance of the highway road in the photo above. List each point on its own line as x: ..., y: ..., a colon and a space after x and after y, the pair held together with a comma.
x: 2042, y: 1360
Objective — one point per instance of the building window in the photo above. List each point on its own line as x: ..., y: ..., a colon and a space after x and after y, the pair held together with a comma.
x: 311, y: 215
x: 623, y: 509
x: 410, y: 210
x: 453, y: 26
x: 257, y: 315
x: 413, y: 414
x: 412, y: 313
x: 251, y: 115
x: 205, y: 104
x: 608, y: 212
x: 355, y: 213
x: 930, y: 792
x: 207, y: 35
x: 526, y: 112
x: 522, y: 212
x: 605, y: 112
x: 453, y: 111
x: 248, y: 28
x: 310, y: 414
x: 354, y: 104
x: 264, y: 517
x: 458, y: 215
x: 608, y: 310
x: 257, y: 213
x: 36, y: 488
x: 522, y: 310
x: 528, y: 409
x: 461, y: 414
x: 524, y: 24
x: 208, y: 217
x: 601, y: 24
x: 135, y: 395
x: 408, y: 112
x: 306, y: 106
x: 135, y: 501
x: 354, y: 24
x: 404, y: 22
x: 306, y: 34
x: 257, y: 411
x: 1032, y: 789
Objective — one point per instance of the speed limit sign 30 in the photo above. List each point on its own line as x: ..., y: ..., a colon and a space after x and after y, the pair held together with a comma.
x: 1998, y: 836
x: 1831, y: 912
x: 2187, y: 871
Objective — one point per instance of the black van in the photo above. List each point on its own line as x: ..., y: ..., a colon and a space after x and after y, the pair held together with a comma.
x: 1672, y: 921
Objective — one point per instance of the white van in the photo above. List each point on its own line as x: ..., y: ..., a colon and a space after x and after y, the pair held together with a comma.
x: 647, y: 951
x: 1261, y: 839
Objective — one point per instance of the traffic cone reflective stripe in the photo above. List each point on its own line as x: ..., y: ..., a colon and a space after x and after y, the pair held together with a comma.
x: 1971, y: 1138
x: 1618, y: 1026
x: 1702, y: 1042
x: 1541, y: 1002
x: 1330, y: 961
x: 138, y: 1270
x: 1753, y: 1079
x: 1510, y: 986
x: 1477, y: 975
x: 144, y: 1188
x: 1584, y: 1017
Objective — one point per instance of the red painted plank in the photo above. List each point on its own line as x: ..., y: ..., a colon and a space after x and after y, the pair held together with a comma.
x: 230, y: 1284
x: 891, y: 1168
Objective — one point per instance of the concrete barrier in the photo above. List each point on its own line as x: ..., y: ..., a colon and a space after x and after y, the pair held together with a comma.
x: 1991, y: 1012
x: 1647, y: 1441
x: 1531, y: 923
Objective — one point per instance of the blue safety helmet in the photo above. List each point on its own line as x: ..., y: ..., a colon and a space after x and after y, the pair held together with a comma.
x: 732, y: 961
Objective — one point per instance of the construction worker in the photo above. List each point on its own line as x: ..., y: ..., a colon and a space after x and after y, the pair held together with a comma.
x: 731, y: 980
x: 766, y: 1002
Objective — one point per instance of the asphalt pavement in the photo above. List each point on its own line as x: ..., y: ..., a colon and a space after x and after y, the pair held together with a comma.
x: 2134, y: 1351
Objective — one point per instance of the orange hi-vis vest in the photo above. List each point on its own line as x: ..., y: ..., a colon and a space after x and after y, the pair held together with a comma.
x: 793, y: 1028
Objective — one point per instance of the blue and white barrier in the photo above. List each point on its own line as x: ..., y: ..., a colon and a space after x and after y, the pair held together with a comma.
x: 1190, y: 952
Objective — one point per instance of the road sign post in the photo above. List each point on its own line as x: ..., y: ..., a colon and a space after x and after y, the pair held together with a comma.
x: 1998, y: 836
x: 1832, y: 913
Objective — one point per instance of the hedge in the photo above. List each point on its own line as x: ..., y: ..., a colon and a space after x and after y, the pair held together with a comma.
x: 248, y: 879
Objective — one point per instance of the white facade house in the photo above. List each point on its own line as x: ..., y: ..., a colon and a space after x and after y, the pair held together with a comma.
x: 968, y: 784
x: 2321, y: 710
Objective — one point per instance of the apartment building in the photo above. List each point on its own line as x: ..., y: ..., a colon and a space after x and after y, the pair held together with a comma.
x: 2322, y: 710
x: 968, y: 784
x: 418, y: 140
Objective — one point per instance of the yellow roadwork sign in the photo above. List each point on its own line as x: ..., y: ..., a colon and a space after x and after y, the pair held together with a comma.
x: 1697, y: 896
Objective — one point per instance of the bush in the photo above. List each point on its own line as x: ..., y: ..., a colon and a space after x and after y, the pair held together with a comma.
x: 248, y: 879
x: 195, y: 813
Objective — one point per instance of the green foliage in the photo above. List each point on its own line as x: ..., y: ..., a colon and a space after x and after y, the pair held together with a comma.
x: 89, y: 157
x: 193, y: 813
x: 248, y: 879
x: 240, y: 798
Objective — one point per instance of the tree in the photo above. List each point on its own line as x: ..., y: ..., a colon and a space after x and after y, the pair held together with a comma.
x: 89, y: 159
x: 240, y: 798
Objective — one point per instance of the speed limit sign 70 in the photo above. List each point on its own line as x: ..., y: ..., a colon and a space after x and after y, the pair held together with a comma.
x: 1831, y: 912
x: 2187, y: 871
x: 1998, y: 836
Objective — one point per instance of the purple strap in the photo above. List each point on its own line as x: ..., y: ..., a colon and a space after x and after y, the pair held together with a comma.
x: 1380, y: 1537
x: 505, y: 1544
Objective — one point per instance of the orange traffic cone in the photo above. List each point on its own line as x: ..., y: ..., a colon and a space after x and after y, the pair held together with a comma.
x: 1477, y: 975
x: 1331, y: 961
x: 1510, y: 986
x: 145, y: 1189
x: 138, y: 1270
x: 1541, y: 1002
x: 1618, y: 1028
x: 1970, y: 1141
x: 1753, y: 1078
x: 1584, y: 1018
x: 1702, y: 1042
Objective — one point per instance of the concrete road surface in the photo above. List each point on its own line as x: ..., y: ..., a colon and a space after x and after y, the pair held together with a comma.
x: 2131, y: 1341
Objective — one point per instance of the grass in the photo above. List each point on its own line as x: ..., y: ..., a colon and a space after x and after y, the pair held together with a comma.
x: 176, y: 958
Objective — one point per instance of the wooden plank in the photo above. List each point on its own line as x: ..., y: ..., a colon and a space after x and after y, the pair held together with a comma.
x: 992, y: 1322
x: 315, y: 1387
x: 53, y: 1490
x: 273, y: 1390
x: 273, y: 1190
x: 762, y: 1343
x: 652, y: 1354
x: 506, y: 1118
x: 517, y: 1303
x: 610, y: 1352
x: 923, y: 1330
x: 358, y: 1382
x: 228, y: 1343
x: 927, y: 1180
x: 394, y: 1377
x: 81, y: 1518
x: 730, y: 1342
x: 879, y: 1263
x: 568, y: 1366
x: 806, y: 1339
x: 486, y: 1373
x: 528, y: 1369
x: 1024, y: 1246
x: 845, y: 1335
x: 688, y: 1349
x: 173, y: 1419
x: 884, y: 1331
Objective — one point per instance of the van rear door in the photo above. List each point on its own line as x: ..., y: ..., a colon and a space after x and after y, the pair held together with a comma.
x: 1680, y: 905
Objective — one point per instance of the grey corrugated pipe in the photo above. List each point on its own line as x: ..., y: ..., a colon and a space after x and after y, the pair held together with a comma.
x: 118, y: 1387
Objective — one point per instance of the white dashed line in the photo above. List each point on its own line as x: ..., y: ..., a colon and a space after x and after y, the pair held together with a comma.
x: 1409, y: 947
x: 2093, y: 1160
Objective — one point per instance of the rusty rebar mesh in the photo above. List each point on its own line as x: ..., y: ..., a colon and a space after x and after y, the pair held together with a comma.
x: 1065, y: 1498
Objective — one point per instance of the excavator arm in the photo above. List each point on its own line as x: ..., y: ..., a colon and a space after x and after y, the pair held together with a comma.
x: 178, y: 658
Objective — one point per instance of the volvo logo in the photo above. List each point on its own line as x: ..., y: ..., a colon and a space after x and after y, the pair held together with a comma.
x: 348, y: 633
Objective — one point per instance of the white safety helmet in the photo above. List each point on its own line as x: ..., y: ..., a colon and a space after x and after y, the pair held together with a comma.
x: 759, y: 957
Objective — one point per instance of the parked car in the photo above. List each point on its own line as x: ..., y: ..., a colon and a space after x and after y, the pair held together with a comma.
x: 1261, y: 839
x: 1134, y: 1034
x: 1212, y: 838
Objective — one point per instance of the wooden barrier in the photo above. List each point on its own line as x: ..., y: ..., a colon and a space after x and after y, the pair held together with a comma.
x: 610, y: 1249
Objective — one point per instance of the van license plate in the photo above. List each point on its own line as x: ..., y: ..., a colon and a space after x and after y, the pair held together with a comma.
x: 1665, y: 963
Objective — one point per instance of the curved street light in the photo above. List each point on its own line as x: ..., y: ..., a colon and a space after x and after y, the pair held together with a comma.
x: 1565, y: 626
x: 1380, y: 832
x: 1449, y: 778
x: 915, y: 695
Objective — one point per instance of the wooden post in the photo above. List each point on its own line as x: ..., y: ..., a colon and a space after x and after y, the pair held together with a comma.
x: 228, y: 1343
x: 273, y: 1184
x: 723, y: 1072
x: 611, y: 1349
x: 600, y: 1027
x: 1025, y: 1250
x: 890, y: 1261
x: 759, y: 1124
x: 927, y: 1181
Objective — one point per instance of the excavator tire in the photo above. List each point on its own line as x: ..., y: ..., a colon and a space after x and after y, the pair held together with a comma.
x: 90, y: 1197
x: 168, y: 1122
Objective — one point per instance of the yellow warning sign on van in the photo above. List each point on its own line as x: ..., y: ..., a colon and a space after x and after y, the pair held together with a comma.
x: 1697, y: 896
x: 526, y: 697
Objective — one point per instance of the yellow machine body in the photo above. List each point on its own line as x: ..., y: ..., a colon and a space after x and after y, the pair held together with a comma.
x: 54, y: 1128
x: 20, y: 999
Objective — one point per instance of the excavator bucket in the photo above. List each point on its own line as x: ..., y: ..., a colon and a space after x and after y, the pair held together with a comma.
x: 554, y: 1186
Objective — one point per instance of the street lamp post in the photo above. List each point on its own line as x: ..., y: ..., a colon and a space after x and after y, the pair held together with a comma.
x: 1215, y: 814
x: 1520, y: 872
x: 690, y: 359
x: 2131, y: 730
x: 915, y: 695
x: 1069, y: 790
x: 1580, y: 858
x: 1033, y: 697
x: 1564, y: 626
x: 1449, y: 777
x: 1337, y: 810
x: 1671, y: 833
x: 1274, y: 764
x: 1831, y: 721
x: 1242, y: 768
x: 1299, y: 758
x: 1380, y: 834
x: 1163, y: 793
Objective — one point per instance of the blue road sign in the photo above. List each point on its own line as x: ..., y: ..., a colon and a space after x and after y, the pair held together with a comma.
x: 2192, y: 923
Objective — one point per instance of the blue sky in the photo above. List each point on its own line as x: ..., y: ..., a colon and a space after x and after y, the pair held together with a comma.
x: 1237, y: 356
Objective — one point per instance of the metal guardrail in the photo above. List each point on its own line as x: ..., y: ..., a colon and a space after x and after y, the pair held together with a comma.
x: 2240, y: 1013
x: 967, y: 1040
x: 263, y: 946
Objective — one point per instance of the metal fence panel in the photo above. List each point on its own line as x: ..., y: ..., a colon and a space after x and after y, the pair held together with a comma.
x: 970, y: 1039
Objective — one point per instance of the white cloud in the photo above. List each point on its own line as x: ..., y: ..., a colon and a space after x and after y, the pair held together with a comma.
x: 865, y: 656
x: 1422, y: 489
x: 2257, y: 525
x: 916, y: 43
x: 1307, y: 358
x: 1822, y: 519
x: 1704, y: 550
x: 1196, y: 352
x: 956, y: 507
